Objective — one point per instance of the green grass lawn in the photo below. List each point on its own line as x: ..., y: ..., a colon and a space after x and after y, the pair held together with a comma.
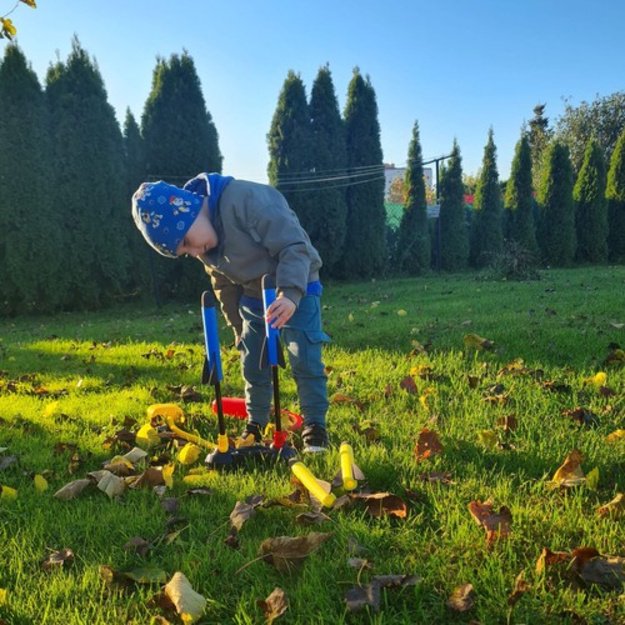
x: 80, y: 378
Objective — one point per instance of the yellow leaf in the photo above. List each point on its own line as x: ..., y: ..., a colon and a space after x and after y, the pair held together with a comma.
x: 350, y: 317
x: 147, y: 437
x: 570, y: 473
x: 41, y: 484
x: 475, y: 341
x: 617, y: 435
x: 6, y: 492
x: 30, y: 3
x: 428, y: 393
x: 8, y: 30
x: 615, y: 508
x: 189, y: 454
x: 598, y: 380
x: 189, y: 604
x: 168, y: 475
x: 401, y: 312
x: 52, y: 410
x: 488, y: 438
x: 4, y: 596
x: 592, y: 479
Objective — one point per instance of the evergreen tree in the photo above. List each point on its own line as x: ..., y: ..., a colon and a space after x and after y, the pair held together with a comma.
x: 328, y: 217
x: 486, y: 234
x: 454, y: 237
x: 180, y: 141
x: 615, y: 193
x: 591, y: 215
x: 141, y: 256
x: 180, y: 137
x: 290, y: 166
x: 519, y: 203
x: 30, y: 245
x: 364, y: 254
x: 539, y: 137
x: 556, y: 228
x: 90, y: 185
x: 413, y: 244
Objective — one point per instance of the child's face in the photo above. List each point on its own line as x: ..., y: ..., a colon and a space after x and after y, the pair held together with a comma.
x: 201, y: 236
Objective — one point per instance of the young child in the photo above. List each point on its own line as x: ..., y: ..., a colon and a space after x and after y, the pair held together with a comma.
x: 240, y: 231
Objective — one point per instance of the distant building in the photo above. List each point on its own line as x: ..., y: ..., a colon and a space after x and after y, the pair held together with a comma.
x: 391, y: 172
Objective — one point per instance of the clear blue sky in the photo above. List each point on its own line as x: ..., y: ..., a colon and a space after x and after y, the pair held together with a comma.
x: 456, y: 67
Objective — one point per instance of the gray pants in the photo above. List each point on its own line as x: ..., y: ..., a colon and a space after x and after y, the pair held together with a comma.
x: 302, y: 337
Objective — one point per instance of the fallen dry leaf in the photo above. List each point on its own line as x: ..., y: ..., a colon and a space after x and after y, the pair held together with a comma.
x: 189, y: 604
x: 58, y: 559
x: 570, y: 473
x: 409, y: 385
x: 241, y: 513
x: 312, y: 518
x: 428, y: 445
x: 360, y: 597
x: 520, y: 588
x: 475, y: 341
x: 496, y: 524
x: 73, y: 489
x: 614, y: 509
x: 462, y: 598
x: 286, y: 552
x: 382, y: 504
x: 549, y: 558
x: 275, y: 605
x: 593, y: 568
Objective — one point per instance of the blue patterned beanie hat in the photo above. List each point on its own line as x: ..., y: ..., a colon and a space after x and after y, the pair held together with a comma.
x: 163, y: 213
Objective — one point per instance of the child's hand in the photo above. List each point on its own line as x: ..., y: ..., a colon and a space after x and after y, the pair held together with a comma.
x: 280, y: 311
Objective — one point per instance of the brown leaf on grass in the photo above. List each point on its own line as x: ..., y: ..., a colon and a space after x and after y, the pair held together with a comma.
x: 409, y: 385
x: 521, y: 586
x: 570, y: 472
x: 614, y: 509
x: 462, y: 599
x: 275, y: 605
x: 312, y: 518
x: 581, y: 416
x: 496, y: 523
x: 58, y: 559
x: 199, y: 492
x: 108, y: 483
x: 360, y: 564
x: 138, y: 545
x: 593, y: 568
x: 437, y: 477
x: 340, y: 398
x: 507, y: 423
x: 368, y: 428
x: 360, y: 597
x: 554, y: 386
x: 286, y: 552
x: 473, y: 381
x: 241, y: 513
x: 382, y: 504
x: 122, y: 439
x: 185, y: 392
x: 232, y: 539
x: 428, y: 445
x: 148, y: 479
x: 550, y: 558
x: 72, y: 490
x: 615, y: 357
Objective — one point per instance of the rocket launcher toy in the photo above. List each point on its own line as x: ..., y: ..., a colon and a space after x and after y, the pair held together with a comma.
x: 235, y: 407
x: 212, y: 374
x: 317, y: 488
x: 271, y: 355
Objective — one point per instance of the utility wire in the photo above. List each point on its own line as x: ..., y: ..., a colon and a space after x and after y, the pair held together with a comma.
x: 312, y: 180
x: 334, y: 186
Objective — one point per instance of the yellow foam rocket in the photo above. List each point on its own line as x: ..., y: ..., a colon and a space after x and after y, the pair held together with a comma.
x: 349, y: 473
x: 317, y: 488
x: 173, y: 414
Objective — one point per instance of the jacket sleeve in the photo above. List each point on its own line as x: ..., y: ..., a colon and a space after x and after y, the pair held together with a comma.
x: 228, y: 294
x: 276, y: 227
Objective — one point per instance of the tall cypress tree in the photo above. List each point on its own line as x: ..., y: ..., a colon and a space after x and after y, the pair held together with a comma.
x: 413, y: 243
x: 90, y: 184
x: 539, y: 136
x: 591, y: 214
x: 290, y: 166
x: 180, y: 140
x: 328, y: 217
x: 556, y: 228
x: 486, y: 239
x: 615, y: 193
x: 364, y: 254
x: 141, y: 255
x: 180, y: 137
x: 30, y: 245
x: 454, y: 236
x: 519, y: 202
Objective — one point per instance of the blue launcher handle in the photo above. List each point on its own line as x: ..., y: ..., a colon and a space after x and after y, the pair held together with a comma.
x: 271, y: 334
x: 211, y: 336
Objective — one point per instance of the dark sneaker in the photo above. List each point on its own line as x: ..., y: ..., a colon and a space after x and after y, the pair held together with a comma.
x: 251, y: 435
x: 315, y: 439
